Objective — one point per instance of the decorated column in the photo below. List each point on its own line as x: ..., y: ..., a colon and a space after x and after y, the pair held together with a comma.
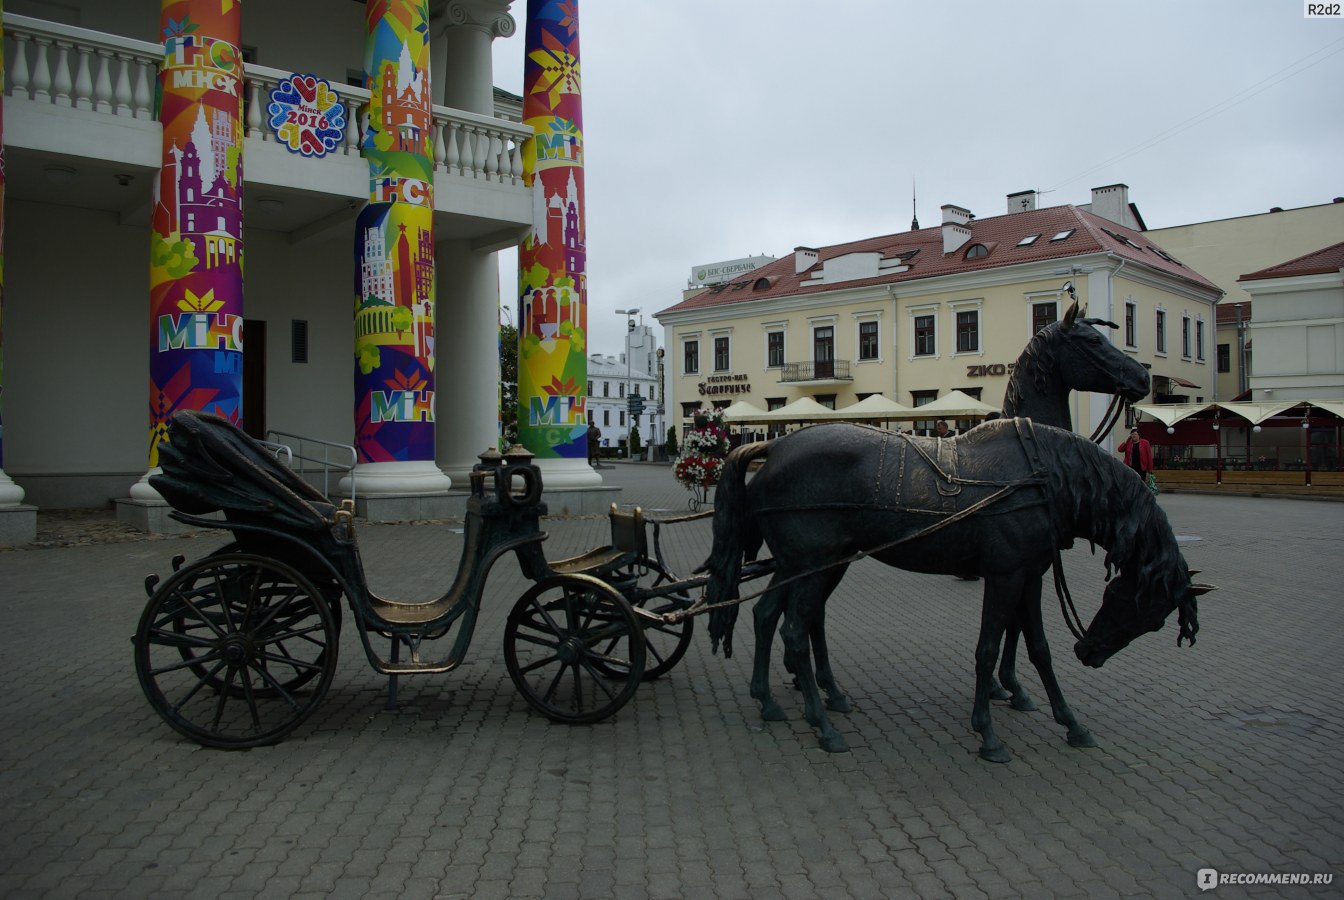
x: 394, y: 262
x: 196, y: 255
x: 552, y: 290
x: 10, y: 493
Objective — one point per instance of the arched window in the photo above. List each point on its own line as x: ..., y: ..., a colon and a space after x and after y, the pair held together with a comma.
x: 976, y: 251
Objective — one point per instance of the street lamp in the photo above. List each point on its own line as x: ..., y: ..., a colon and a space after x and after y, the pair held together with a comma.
x: 629, y: 418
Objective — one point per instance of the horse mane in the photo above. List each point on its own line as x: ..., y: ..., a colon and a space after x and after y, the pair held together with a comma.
x: 1112, y: 507
x: 1036, y: 362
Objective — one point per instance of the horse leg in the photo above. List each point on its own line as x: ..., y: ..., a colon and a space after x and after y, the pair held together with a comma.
x: 1039, y: 653
x: 836, y: 701
x: 765, y: 615
x: 804, y: 603
x: 1012, y: 688
x: 999, y: 603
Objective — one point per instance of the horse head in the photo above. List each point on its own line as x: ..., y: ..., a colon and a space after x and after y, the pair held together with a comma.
x: 1086, y: 361
x: 1128, y: 611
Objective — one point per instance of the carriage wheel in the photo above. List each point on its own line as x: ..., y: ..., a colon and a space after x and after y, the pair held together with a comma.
x: 664, y: 644
x: 574, y: 649
x: 287, y: 681
x: 225, y: 646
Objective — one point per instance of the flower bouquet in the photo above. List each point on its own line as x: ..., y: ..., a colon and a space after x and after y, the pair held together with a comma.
x: 703, y: 448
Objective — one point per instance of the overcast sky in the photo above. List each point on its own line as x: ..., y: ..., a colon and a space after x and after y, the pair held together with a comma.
x: 718, y: 129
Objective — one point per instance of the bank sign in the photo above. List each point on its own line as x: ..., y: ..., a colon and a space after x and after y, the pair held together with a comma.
x: 714, y: 273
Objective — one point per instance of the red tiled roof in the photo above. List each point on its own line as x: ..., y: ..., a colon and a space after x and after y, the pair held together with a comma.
x: 1321, y: 262
x: 1226, y: 313
x: 923, y: 250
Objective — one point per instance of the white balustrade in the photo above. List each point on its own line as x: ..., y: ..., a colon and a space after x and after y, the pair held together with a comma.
x: 50, y: 63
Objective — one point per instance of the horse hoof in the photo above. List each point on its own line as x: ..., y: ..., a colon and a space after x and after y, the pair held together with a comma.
x: 1082, y: 738
x: 1023, y: 704
x: 839, y: 704
x: 834, y: 744
x: 997, y: 754
x: 998, y: 692
x: 772, y: 712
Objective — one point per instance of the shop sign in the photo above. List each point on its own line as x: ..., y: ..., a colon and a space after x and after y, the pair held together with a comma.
x: 725, y: 384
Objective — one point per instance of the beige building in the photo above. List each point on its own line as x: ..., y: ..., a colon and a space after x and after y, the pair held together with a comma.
x: 1226, y: 249
x: 917, y: 314
x: 1298, y: 330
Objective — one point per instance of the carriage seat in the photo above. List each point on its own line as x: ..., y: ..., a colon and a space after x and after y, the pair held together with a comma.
x: 628, y: 544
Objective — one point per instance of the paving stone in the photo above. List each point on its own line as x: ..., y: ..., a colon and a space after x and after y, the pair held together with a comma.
x: 1218, y: 755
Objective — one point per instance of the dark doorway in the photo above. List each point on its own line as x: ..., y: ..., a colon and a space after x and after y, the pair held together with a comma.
x: 823, y: 352
x: 254, y: 378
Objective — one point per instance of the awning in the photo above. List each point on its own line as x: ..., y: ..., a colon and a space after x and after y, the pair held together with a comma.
x: 1171, y: 413
x: 1181, y: 381
x: 954, y: 405
x: 874, y: 406
x: 741, y: 412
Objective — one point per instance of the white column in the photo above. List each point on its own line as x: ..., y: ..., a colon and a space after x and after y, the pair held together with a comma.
x: 466, y: 355
x: 461, y: 71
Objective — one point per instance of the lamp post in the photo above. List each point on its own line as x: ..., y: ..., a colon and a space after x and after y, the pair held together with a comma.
x: 629, y: 418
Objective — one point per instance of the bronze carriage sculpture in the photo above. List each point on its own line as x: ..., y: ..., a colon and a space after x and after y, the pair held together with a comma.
x: 237, y: 649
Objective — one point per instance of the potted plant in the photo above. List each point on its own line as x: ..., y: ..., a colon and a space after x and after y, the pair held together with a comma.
x: 703, y: 448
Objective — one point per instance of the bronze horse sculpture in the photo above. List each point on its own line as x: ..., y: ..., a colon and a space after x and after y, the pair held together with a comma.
x: 1064, y: 356
x: 999, y: 501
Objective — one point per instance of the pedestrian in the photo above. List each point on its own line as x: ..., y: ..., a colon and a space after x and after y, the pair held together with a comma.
x: 1138, y: 454
x: 941, y: 430
x: 594, y: 438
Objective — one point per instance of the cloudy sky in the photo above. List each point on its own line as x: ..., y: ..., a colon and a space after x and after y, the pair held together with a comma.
x: 718, y: 129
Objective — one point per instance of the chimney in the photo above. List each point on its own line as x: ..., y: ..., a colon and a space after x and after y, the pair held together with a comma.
x: 804, y: 258
x: 1112, y: 202
x: 1022, y: 201
x: 956, y: 227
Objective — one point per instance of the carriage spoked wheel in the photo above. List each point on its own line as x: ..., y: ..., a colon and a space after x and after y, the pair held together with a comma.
x: 236, y: 651
x: 664, y: 644
x: 287, y: 681
x: 574, y: 649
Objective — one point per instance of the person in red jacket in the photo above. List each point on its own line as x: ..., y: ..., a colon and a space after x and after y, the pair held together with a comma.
x: 1138, y: 454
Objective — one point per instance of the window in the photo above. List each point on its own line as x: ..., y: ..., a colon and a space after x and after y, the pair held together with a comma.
x: 823, y: 351
x: 867, y: 340
x: 1063, y: 235
x: 1199, y: 340
x: 918, y: 399
x: 826, y: 400
x: 622, y: 393
x: 590, y: 389
x: 925, y: 336
x: 606, y: 389
x: 1224, y: 357
x: 774, y: 403
x: 977, y: 251
x: 691, y: 357
x: 621, y: 421
x: 653, y: 391
x: 1028, y: 240
x: 1131, y: 320
x: 774, y: 349
x: 968, y: 331
x: 1042, y: 314
x: 606, y: 417
x: 1161, y: 344
x: 298, y: 340
x: 1185, y: 337
x: 721, y: 354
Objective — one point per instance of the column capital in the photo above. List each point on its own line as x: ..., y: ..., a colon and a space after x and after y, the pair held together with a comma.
x: 489, y: 16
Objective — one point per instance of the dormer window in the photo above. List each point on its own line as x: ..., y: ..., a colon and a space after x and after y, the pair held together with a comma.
x: 1063, y: 235
x: 977, y: 251
x: 1028, y: 240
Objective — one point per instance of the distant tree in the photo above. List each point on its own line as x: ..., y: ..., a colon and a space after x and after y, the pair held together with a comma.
x: 671, y: 445
x: 508, y: 384
x: 636, y: 443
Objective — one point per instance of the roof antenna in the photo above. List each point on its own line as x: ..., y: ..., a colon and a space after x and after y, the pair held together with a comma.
x: 914, y: 215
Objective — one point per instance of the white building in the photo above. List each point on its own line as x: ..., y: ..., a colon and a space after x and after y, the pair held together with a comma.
x: 613, y: 379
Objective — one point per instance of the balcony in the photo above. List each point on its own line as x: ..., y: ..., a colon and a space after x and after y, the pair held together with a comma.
x: 835, y: 371
x: 83, y: 100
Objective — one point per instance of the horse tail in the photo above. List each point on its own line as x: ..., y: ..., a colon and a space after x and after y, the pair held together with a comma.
x: 735, y: 537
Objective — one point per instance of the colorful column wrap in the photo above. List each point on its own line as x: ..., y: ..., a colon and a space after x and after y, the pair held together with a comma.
x: 394, y: 243
x: 196, y: 260
x: 552, y: 291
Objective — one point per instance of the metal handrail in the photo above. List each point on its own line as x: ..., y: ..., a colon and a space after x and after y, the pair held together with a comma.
x: 325, y: 461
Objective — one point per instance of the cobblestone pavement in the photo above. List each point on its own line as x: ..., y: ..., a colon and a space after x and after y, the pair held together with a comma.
x: 1225, y: 755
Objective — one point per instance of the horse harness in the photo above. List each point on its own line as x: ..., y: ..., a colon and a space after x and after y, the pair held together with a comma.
x: 944, y: 463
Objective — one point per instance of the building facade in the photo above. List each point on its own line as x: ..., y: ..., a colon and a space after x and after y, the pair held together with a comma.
x: 82, y: 150
x: 916, y: 314
x: 1224, y: 250
x: 613, y: 379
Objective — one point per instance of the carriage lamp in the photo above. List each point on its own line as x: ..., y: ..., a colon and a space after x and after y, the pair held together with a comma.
x: 1215, y: 426
x: 1171, y: 429
x: 1306, y: 423
x: 1256, y: 429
